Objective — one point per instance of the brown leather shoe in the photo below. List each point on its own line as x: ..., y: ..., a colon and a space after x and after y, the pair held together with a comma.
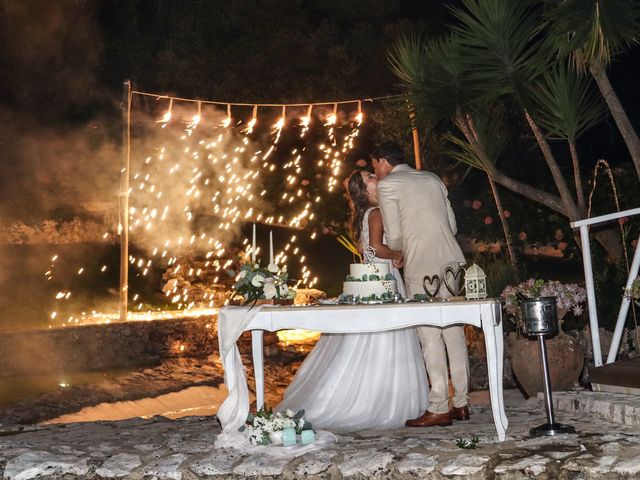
x: 460, y: 413
x: 430, y: 419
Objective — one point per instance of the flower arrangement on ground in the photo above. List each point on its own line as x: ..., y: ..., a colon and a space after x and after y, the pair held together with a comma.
x: 570, y: 296
x: 261, y: 427
x: 254, y: 282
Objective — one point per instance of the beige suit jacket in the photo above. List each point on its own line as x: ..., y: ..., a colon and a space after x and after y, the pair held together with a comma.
x: 419, y: 221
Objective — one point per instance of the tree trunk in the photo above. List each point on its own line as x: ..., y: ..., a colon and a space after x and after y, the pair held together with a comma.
x: 539, y: 196
x: 570, y: 206
x: 606, y: 238
x: 619, y: 115
x: 503, y: 219
x: 578, y: 177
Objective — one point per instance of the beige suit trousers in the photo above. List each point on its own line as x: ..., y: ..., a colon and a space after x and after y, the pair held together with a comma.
x: 438, y: 343
x: 419, y: 221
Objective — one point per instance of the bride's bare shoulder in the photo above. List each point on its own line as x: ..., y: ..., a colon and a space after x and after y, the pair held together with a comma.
x: 375, y: 214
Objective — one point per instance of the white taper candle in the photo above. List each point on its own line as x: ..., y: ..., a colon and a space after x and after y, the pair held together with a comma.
x: 270, y: 247
x: 253, y: 245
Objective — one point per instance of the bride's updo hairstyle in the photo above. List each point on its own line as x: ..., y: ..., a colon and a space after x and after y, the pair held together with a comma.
x: 358, y: 202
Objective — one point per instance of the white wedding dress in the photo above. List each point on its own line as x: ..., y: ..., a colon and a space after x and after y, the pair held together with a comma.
x: 359, y: 381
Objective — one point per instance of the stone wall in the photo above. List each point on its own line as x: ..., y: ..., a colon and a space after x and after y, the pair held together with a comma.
x: 116, y: 345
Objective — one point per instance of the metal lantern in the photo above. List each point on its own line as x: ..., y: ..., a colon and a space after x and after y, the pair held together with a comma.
x: 475, y: 283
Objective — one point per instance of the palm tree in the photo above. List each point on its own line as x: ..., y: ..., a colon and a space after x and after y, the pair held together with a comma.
x: 593, y: 32
x: 566, y: 106
x: 487, y: 142
x: 497, y: 50
x: 504, y: 49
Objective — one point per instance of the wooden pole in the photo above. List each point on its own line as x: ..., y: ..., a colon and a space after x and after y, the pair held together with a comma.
x: 416, y: 138
x: 416, y: 148
x: 123, y: 225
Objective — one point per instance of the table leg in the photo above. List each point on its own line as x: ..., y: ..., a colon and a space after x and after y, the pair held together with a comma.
x: 257, y: 352
x: 494, y: 346
x: 499, y: 336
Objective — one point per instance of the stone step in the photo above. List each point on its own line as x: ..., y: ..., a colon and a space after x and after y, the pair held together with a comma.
x: 612, y: 407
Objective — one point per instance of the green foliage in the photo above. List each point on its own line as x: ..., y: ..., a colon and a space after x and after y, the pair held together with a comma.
x: 501, y: 45
x: 567, y: 105
x: 492, y: 134
x: 593, y: 32
x: 467, y: 444
x: 500, y: 273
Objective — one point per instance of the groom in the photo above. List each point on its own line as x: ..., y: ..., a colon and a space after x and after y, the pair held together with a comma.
x: 419, y: 221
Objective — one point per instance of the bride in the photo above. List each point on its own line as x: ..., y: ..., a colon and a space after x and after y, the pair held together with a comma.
x: 365, y: 380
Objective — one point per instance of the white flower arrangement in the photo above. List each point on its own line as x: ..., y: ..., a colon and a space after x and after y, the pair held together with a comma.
x: 260, y: 426
x: 254, y: 282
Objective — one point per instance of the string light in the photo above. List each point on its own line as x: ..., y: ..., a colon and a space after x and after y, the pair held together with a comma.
x: 253, y: 121
x: 167, y: 115
x: 232, y: 192
x: 227, y: 121
x: 360, y: 115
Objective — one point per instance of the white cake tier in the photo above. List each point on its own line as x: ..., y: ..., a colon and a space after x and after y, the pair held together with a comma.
x: 366, y: 289
x: 359, y: 269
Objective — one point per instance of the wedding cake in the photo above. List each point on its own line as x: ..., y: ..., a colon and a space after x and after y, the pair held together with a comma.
x: 370, y: 281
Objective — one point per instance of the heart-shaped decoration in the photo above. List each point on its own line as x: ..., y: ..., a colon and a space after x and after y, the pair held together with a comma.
x: 453, y: 280
x: 428, y: 284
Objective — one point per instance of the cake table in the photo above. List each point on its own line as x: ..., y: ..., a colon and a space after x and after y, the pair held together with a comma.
x: 232, y: 321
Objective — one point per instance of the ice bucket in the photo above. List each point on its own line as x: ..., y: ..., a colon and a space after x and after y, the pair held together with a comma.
x: 539, y: 316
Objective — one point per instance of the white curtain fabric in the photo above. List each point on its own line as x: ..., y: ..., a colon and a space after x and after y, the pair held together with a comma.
x: 235, y: 408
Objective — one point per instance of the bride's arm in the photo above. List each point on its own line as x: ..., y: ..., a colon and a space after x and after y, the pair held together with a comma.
x: 376, y: 232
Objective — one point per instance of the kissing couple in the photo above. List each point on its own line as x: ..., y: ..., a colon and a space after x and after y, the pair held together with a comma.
x: 359, y: 381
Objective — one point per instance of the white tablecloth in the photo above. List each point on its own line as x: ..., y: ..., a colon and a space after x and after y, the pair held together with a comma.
x: 232, y: 321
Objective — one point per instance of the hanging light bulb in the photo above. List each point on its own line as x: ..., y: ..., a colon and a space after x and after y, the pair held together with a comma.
x: 195, y: 120
x: 252, y: 122
x: 279, y: 124
x: 167, y: 115
x: 305, y: 121
x: 360, y: 115
x: 227, y: 121
x: 332, y: 118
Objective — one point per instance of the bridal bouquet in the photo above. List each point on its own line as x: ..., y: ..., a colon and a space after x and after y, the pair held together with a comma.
x: 570, y: 296
x: 254, y: 282
x: 266, y: 427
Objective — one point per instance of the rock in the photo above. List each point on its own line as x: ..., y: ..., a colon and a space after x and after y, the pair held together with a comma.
x: 119, y: 465
x: 465, y: 464
x: 418, y: 464
x: 315, y: 462
x: 261, y: 465
x: 628, y: 467
x: 219, y: 462
x: 38, y: 463
x: 366, y: 463
x: 533, y: 465
x: 166, y: 468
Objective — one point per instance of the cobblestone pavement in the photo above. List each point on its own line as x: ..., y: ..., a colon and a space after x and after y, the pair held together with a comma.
x: 183, y: 449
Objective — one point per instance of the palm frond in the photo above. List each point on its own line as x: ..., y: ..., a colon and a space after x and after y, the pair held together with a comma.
x: 566, y: 105
x: 502, y: 44
x: 492, y: 135
x: 433, y: 75
x: 592, y: 32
